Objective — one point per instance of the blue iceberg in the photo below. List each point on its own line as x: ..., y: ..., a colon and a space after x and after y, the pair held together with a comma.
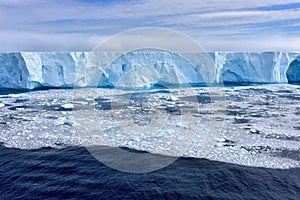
x: 29, y: 70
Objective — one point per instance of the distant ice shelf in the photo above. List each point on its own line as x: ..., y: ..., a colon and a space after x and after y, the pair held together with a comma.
x: 29, y: 70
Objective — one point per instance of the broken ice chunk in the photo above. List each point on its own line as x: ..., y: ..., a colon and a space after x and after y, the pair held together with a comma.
x: 68, y: 106
x: 59, y: 121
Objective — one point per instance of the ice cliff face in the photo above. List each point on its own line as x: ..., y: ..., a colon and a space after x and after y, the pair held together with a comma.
x: 256, y: 67
x: 293, y: 72
x: 142, y: 69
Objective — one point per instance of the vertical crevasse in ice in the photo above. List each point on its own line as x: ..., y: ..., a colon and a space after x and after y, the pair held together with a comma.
x: 282, y: 61
x: 220, y: 59
x: 33, y: 63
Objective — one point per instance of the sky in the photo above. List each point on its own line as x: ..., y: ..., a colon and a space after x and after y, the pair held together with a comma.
x: 216, y: 25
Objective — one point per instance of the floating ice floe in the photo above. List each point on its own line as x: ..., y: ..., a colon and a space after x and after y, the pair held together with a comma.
x: 268, y: 140
x: 68, y: 106
x: 59, y: 121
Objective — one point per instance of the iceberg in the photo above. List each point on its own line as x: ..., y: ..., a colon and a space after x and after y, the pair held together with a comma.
x: 30, y: 70
x: 293, y: 72
x: 256, y: 67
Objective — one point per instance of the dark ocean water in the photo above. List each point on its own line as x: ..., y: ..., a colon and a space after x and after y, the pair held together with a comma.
x: 72, y: 173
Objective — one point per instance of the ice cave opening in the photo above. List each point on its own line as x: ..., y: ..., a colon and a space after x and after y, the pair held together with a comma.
x: 293, y: 72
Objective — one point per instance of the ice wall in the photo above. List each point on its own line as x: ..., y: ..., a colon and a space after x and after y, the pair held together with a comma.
x: 255, y: 67
x: 293, y: 73
x: 142, y: 69
x: 13, y: 71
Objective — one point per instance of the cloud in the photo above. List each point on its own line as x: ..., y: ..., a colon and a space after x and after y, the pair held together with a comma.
x: 24, y: 41
x: 254, y: 44
x: 52, y: 25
